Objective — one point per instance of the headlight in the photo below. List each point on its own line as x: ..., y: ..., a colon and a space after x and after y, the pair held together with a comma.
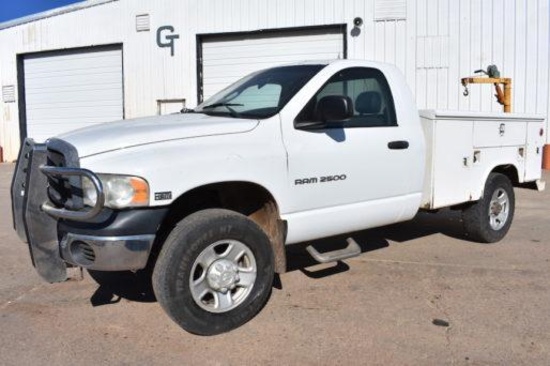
x: 121, y: 191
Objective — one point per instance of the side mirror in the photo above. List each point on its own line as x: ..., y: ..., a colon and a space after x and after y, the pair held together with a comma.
x: 334, y: 110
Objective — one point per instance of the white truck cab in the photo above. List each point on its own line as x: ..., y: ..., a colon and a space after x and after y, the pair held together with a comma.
x: 210, y: 197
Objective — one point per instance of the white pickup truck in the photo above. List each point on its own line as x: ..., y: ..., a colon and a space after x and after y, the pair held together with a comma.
x: 211, y: 196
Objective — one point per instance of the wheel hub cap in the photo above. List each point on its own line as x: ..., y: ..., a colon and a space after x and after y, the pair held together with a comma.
x: 499, y: 209
x: 223, y: 275
x: 496, y: 208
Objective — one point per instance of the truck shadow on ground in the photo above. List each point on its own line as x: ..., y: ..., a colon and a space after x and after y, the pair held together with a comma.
x: 114, y: 286
x: 446, y: 222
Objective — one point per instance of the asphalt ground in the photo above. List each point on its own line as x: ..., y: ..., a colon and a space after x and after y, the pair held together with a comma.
x: 375, y: 309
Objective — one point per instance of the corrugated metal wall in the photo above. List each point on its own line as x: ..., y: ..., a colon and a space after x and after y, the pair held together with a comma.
x: 434, y: 43
x: 454, y: 38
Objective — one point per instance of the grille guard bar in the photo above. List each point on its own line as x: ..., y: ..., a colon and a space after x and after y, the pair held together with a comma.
x: 68, y: 214
x: 34, y: 227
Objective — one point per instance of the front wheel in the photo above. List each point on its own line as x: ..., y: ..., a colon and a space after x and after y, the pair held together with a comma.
x: 489, y: 219
x: 214, y: 272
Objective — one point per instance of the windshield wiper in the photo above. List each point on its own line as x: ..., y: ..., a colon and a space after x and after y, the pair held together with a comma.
x: 187, y: 110
x: 210, y: 106
x: 233, y: 113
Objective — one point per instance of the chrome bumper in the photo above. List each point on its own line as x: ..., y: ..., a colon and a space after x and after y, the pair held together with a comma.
x: 36, y: 221
x: 114, y: 253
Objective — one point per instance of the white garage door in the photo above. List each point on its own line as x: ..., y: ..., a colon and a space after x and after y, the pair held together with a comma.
x: 227, y: 58
x: 71, y: 90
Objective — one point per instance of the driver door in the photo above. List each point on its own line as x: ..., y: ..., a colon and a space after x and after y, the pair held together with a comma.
x: 355, y: 173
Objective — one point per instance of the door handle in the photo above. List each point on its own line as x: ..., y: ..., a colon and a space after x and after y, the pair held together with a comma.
x: 398, y: 145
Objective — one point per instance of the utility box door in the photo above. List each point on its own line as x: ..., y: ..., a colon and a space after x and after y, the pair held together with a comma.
x: 499, y: 133
x: 463, y: 148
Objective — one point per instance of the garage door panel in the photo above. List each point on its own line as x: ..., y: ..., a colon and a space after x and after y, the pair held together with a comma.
x: 71, y: 90
x: 67, y: 113
x: 71, y: 75
x: 288, y: 41
x: 269, y: 52
x: 250, y: 65
x: 70, y: 78
x: 221, y: 52
x: 84, y: 95
x: 71, y: 86
x: 72, y: 104
x: 226, y: 59
x: 283, y: 37
x: 269, y: 57
x: 48, y: 64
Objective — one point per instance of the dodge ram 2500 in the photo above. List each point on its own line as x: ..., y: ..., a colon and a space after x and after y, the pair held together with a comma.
x: 211, y: 196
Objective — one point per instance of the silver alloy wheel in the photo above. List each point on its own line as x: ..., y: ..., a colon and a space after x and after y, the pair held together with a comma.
x: 223, y: 276
x: 499, y: 209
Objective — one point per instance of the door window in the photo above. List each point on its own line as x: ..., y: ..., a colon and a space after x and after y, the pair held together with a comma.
x: 369, y: 92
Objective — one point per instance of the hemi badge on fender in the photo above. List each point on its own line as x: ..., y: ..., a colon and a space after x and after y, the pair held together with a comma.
x: 160, y: 196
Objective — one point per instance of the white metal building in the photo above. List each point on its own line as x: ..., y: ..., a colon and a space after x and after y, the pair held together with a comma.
x: 103, y: 60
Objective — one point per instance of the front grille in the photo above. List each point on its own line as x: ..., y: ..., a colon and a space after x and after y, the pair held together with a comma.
x: 64, y: 192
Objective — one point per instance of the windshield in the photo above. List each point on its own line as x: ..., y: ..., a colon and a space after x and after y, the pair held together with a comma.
x: 261, y: 94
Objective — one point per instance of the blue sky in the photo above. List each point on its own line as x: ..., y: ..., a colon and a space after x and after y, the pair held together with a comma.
x: 12, y: 9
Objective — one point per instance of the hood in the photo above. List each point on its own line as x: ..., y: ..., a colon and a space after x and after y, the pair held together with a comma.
x: 134, y: 132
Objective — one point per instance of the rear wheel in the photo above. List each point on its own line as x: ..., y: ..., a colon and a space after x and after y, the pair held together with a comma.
x: 214, y: 272
x: 489, y: 219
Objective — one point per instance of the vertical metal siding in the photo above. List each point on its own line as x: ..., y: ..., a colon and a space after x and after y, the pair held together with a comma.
x: 390, y: 9
x: 513, y: 34
x: 435, y: 44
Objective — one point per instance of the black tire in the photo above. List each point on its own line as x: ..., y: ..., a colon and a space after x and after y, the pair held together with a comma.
x: 189, y: 239
x: 477, y: 217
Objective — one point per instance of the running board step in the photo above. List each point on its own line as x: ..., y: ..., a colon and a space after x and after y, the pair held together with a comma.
x: 352, y: 250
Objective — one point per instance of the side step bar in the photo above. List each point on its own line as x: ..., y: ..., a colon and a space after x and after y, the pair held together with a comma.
x: 352, y: 250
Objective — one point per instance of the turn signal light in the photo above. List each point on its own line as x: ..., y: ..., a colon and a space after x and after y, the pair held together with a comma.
x: 141, y: 191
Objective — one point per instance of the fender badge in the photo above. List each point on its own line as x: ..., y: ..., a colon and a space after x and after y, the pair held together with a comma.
x: 161, y: 196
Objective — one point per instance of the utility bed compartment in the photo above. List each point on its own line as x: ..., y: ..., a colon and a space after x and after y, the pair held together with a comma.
x: 462, y: 148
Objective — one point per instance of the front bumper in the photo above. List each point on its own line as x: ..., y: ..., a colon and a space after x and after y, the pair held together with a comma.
x: 107, y: 253
x: 98, y: 238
